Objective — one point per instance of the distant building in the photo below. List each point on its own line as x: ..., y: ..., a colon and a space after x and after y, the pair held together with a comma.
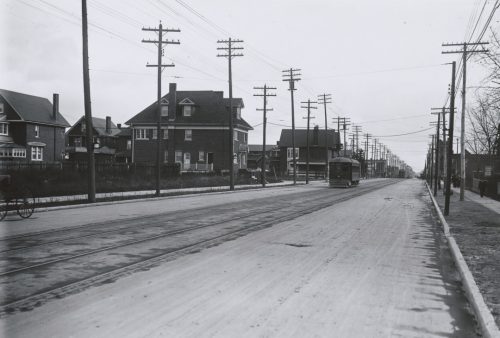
x: 105, y: 139
x: 195, y: 131
x: 31, y: 128
x: 316, y: 150
x: 272, y: 157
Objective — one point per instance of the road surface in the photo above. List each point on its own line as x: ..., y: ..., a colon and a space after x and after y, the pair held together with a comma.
x: 288, y: 262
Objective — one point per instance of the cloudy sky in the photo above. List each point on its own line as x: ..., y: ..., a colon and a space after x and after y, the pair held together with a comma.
x: 380, y: 60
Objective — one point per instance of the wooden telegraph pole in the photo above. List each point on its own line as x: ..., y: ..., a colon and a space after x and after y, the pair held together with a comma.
x: 88, y: 108
x: 368, y: 136
x: 324, y: 99
x: 309, y: 117
x: 291, y: 76
x: 464, y: 53
x: 160, y: 42
x: 265, y: 95
x: 229, y: 49
x: 450, y: 141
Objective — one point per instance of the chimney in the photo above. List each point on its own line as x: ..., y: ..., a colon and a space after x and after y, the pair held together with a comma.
x: 119, y: 125
x: 315, y: 135
x: 108, y: 124
x: 172, y: 101
x: 55, y: 106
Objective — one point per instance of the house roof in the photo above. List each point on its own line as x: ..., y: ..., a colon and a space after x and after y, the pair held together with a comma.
x: 124, y: 132
x: 99, y: 125
x: 258, y: 147
x: 33, y: 108
x: 211, y: 110
x: 301, y: 138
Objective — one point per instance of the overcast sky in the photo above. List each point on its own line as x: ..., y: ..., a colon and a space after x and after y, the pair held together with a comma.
x: 381, y: 60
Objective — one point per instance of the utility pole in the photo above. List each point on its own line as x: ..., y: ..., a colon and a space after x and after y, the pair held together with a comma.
x: 88, y: 108
x: 309, y: 117
x: 324, y: 99
x: 437, y: 183
x: 443, y: 111
x: 265, y: 95
x: 345, y: 121
x: 464, y: 53
x: 229, y: 49
x: 368, y: 136
x: 375, y: 157
x: 450, y: 141
x: 159, y: 66
x: 291, y: 76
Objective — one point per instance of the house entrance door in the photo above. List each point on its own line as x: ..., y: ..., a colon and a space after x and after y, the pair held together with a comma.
x: 187, y: 161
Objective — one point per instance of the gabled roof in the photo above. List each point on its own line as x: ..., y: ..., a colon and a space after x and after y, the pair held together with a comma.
x: 33, y: 108
x: 301, y: 138
x: 99, y: 125
x: 211, y: 110
x: 258, y: 147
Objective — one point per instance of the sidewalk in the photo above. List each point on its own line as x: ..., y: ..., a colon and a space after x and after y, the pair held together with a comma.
x: 475, y: 225
x: 72, y: 199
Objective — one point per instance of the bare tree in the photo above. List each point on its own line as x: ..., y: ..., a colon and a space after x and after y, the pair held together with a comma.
x: 484, y: 119
x: 484, y: 115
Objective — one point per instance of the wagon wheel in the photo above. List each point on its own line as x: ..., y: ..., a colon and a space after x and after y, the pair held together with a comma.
x: 25, y: 203
x: 3, y: 205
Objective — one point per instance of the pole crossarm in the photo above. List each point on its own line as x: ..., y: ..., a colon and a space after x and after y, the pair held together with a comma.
x: 160, y: 66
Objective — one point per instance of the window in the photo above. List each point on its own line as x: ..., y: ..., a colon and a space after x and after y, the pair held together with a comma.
x: 1, y: 109
x: 187, y: 110
x: 37, y: 131
x: 4, y: 129
x: 165, y: 156
x: 83, y: 126
x: 19, y: 152
x: 178, y: 156
x: 201, y: 155
x: 155, y: 134
x: 129, y: 144
x: 164, y: 111
x: 165, y: 134
x: 37, y: 153
x: 188, y: 135
x: 290, y: 154
x: 238, y: 113
x: 235, y: 135
x: 141, y: 134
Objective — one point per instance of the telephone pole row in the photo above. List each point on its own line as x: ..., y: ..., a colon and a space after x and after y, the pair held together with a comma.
x: 229, y: 48
x: 345, y: 122
x: 291, y: 76
x: 464, y: 53
x: 160, y: 42
x: 265, y: 94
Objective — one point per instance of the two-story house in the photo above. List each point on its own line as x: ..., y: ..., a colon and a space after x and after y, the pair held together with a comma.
x: 195, y: 131
x: 31, y: 128
x: 316, y: 150
x: 105, y: 139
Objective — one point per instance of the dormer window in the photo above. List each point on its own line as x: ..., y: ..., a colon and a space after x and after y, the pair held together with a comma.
x: 164, y: 108
x: 37, y: 131
x: 187, y: 110
x: 187, y: 107
x: 1, y: 108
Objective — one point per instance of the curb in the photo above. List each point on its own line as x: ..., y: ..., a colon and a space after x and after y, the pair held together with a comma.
x: 484, y: 317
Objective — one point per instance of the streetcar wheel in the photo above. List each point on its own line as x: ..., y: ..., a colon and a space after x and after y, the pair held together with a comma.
x: 25, y: 204
x: 3, y: 206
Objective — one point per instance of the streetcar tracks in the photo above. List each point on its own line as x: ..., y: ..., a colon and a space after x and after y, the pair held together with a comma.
x: 257, y: 219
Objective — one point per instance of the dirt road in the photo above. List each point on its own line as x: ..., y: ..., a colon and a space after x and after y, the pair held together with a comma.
x: 372, y: 266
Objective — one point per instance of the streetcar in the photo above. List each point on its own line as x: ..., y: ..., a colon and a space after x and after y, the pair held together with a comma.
x: 344, y: 172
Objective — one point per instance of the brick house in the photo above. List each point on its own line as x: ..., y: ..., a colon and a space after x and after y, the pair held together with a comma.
x: 195, y: 131
x: 316, y: 150
x: 105, y: 139
x: 31, y: 128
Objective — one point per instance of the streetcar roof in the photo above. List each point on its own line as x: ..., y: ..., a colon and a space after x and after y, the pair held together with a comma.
x: 344, y: 160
